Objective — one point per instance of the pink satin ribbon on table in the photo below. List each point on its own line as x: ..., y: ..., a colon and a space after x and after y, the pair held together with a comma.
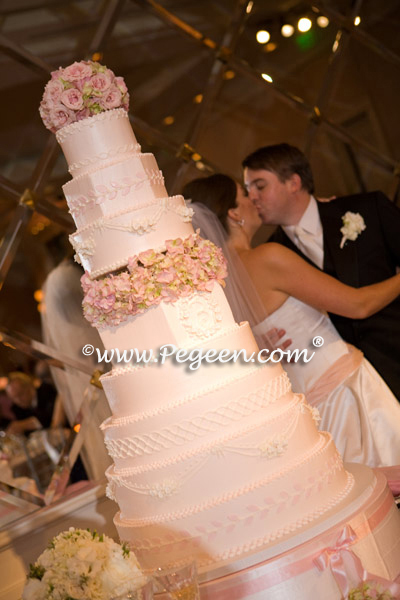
x: 392, y: 475
x: 346, y: 566
x: 338, y: 372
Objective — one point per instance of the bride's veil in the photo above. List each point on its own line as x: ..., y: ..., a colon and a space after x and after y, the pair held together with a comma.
x: 240, y: 292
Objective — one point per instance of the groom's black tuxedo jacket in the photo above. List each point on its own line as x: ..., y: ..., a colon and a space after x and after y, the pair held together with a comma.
x: 372, y: 257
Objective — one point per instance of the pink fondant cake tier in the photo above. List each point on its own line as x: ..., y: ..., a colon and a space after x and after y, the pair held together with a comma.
x: 246, y: 515
x: 199, y: 317
x: 150, y: 381
x: 106, y: 244
x: 113, y: 189
x: 97, y: 141
x: 171, y: 452
x: 209, y: 417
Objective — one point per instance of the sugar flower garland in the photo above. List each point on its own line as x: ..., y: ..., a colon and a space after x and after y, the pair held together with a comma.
x: 83, y: 565
x: 152, y: 276
x: 81, y: 90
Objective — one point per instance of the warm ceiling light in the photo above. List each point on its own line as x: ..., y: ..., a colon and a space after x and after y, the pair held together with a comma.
x: 335, y: 45
x: 38, y: 295
x: 287, y: 30
x: 168, y: 120
x: 201, y: 166
x: 196, y: 156
x: 198, y: 99
x: 270, y: 47
x: 229, y: 74
x: 97, y: 56
x: 249, y: 7
x: 322, y: 21
x: 304, y: 24
x: 267, y: 77
x: 263, y: 36
x: 357, y: 21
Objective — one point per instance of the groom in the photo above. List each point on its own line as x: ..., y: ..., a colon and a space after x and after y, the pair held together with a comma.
x: 279, y: 181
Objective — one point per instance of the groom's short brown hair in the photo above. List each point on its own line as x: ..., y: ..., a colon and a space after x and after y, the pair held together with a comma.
x: 284, y: 160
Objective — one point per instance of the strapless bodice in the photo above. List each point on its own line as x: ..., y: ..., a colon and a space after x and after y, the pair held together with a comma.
x: 303, y: 324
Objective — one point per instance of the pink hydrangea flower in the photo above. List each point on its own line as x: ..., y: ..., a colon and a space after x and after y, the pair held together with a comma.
x: 148, y: 258
x: 153, y: 277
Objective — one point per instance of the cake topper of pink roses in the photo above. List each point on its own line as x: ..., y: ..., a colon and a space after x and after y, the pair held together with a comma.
x: 81, y: 90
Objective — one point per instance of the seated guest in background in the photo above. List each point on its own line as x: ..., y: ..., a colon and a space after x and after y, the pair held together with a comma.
x: 354, y: 402
x: 33, y: 408
x: 280, y: 183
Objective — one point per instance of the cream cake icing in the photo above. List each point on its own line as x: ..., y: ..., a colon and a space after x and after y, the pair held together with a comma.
x: 212, y: 462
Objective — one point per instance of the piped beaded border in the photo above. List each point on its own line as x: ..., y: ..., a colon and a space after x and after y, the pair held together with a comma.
x: 109, y: 115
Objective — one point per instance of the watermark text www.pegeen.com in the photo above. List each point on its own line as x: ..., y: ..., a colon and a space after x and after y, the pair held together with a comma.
x: 194, y: 357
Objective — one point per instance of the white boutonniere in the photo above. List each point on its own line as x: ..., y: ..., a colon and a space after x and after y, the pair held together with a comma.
x: 353, y: 225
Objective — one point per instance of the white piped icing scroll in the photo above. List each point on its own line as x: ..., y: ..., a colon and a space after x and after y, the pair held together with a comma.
x: 212, y: 462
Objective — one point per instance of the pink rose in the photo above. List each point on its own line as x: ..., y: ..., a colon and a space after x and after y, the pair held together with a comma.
x: 82, y: 114
x: 77, y: 71
x: 45, y: 117
x: 112, y: 98
x: 72, y: 98
x: 100, y: 82
x: 60, y: 116
x: 121, y: 85
x: 53, y: 90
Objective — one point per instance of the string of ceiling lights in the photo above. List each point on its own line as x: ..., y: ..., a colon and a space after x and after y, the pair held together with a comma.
x: 302, y: 24
x: 285, y: 27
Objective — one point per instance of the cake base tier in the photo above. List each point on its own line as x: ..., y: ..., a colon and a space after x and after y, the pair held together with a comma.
x: 288, y: 569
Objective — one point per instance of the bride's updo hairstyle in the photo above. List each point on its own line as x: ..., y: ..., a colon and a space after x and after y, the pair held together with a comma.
x: 217, y: 192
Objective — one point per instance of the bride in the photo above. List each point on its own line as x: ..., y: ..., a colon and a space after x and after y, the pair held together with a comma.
x: 354, y: 402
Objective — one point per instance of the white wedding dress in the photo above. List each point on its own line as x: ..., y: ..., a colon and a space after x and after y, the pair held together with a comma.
x: 354, y: 402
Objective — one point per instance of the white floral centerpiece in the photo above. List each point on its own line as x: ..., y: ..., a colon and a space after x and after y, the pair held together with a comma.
x: 83, y: 565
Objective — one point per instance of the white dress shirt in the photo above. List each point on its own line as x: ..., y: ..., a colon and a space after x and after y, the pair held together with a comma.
x: 307, y: 234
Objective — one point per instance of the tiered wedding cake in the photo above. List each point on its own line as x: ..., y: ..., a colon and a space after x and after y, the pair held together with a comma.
x: 212, y: 462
